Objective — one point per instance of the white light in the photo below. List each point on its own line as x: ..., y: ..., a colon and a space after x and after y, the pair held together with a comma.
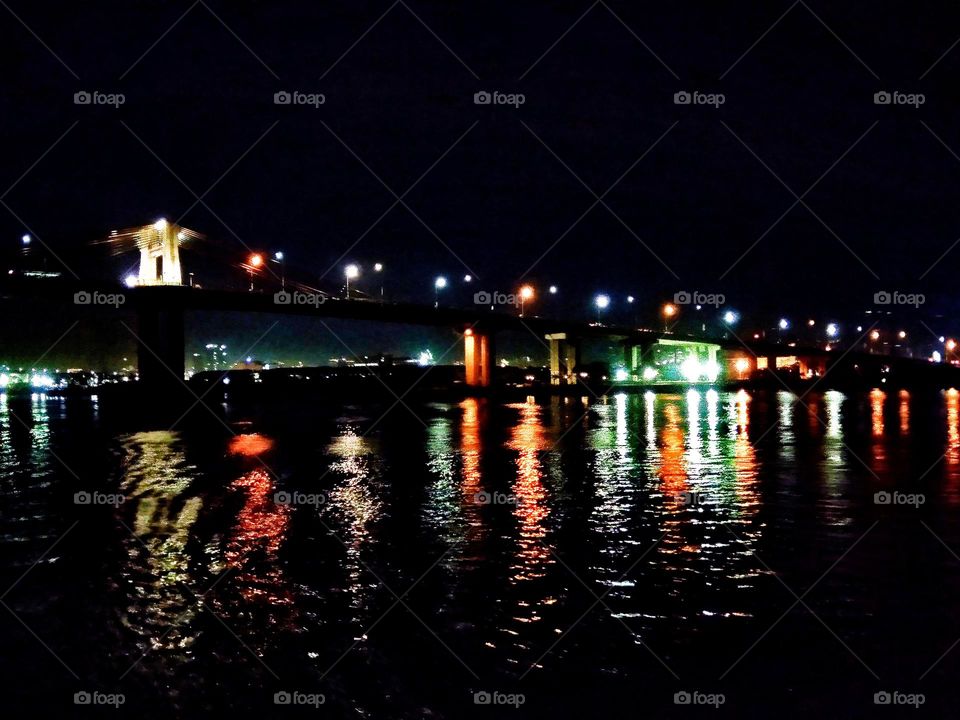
x: 629, y: 298
x: 468, y: 278
x: 351, y: 271
x: 160, y: 225
x: 249, y: 359
x: 4, y: 380
x: 278, y: 255
x: 711, y: 370
x: 26, y: 239
x: 621, y: 374
x: 440, y: 283
x: 425, y: 358
x: 602, y: 301
x: 226, y: 381
x: 784, y: 323
x: 553, y: 289
x: 649, y: 373
x: 131, y: 280
x: 730, y: 317
x: 378, y: 267
x: 690, y: 369
x: 936, y: 356
x: 832, y: 329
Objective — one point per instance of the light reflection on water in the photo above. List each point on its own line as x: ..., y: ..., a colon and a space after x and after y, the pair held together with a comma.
x: 661, y: 503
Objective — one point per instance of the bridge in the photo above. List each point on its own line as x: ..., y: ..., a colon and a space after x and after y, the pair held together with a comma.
x: 160, y: 299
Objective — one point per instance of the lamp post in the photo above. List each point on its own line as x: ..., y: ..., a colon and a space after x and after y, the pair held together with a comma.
x: 526, y: 293
x: 439, y: 284
x: 255, y: 261
x: 378, y: 268
x: 278, y: 258
x: 602, y: 302
x: 669, y: 311
x: 350, y: 272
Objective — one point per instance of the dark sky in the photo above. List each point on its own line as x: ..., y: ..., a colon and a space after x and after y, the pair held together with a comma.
x: 504, y: 201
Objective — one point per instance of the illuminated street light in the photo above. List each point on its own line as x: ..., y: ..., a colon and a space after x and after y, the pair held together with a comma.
x: 526, y: 293
x: 832, y: 330
x: 951, y: 344
x: 602, y: 302
x: 902, y: 334
x: 253, y: 262
x: 669, y: 310
x: 553, y: 289
x: 811, y: 323
x: 784, y: 323
x: 875, y: 335
x: 278, y: 258
x: 130, y: 280
x: 351, y: 272
x: 468, y: 278
x: 630, y: 299
x: 378, y: 268
x: 26, y: 239
x: 160, y: 225
x: 730, y: 317
x: 439, y: 284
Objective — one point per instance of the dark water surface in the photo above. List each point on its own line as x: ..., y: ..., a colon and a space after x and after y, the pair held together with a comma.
x: 585, y: 557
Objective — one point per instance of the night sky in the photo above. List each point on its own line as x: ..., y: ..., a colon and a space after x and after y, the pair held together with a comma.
x: 693, y: 197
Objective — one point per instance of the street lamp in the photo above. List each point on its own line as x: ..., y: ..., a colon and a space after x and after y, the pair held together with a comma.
x: 439, y: 284
x: 378, y: 268
x: 526, y: 293
x: 254, y: 261
x: 553, y: 289
x: 278, y: 258
x: 351, y: 272
x: 730, y: 317
x: 669, y: 310
x: 602, y: 302
x: 832, y: 330
x: 784, y: 324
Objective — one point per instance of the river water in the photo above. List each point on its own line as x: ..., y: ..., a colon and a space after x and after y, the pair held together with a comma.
x: 758, y: 553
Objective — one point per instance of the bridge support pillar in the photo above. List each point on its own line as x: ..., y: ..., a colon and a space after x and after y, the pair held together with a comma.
x: 479, y: 357
x: 160, y: 349
x: 564, y: 358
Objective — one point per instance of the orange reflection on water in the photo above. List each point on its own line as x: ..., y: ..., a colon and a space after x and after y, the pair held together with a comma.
x: 877, y: 396
x: 528, y: 439
x: 249, y: 445
x: 470, y: 447
x: 904, y: 412
x: 673, y: 467
x: 744, y: 456
x: 257, y: 536
x: 953, y: 427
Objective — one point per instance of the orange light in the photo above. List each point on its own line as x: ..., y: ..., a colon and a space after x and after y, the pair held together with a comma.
x: 468, y: 332
x: 875, y: 335
x: 256, y: 260
x: 951, y: 344
x: 249, y: 445
x: 669, y: 310
x: 742, y: 365
x: 526, y: 292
